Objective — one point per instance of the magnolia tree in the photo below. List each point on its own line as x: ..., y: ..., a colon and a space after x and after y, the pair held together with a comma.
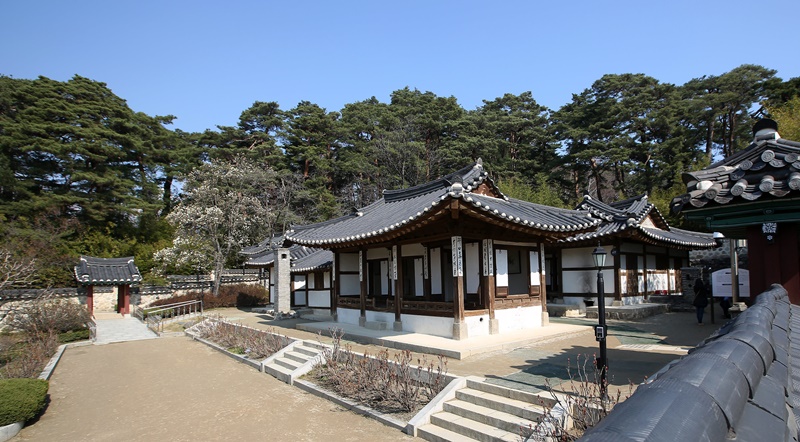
x: 226, y: 205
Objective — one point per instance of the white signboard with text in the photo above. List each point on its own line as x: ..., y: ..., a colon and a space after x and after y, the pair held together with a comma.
x: 721, y: 283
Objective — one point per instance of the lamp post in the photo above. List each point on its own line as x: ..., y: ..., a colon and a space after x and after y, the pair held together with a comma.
x: 601, y: 330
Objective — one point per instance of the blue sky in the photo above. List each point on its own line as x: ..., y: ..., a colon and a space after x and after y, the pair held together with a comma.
x: 206, y: 62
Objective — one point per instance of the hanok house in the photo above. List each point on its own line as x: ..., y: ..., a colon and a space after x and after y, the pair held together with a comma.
x: 309, y: 270
x: 119, y: 273
x: 453, y: 257
x: 647, y: 254
x: 755, y: 195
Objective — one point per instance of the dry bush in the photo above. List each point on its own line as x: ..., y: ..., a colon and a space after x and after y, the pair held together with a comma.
x: 386, y: 385
x: 47, y: 315
x: 255, y: 344
x: 580, y: 405
x: 235, y: 295
x: 27, y: 357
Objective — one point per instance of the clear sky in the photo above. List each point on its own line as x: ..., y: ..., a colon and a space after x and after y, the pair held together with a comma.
x: 206, y: 62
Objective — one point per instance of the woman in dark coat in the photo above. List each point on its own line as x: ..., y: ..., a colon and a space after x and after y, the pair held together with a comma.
x: 700, y: 299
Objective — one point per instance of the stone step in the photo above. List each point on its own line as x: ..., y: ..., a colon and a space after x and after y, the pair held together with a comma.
x: 494, y: 418
x: 315, y: 345
x: 308, y: 351
x: 296, y: 356
x: 279, y: 372
x: 434, y: 433
x: 472, y: 429
x: 521, y: 409
x: 545, y: 399
x: 287, y: 363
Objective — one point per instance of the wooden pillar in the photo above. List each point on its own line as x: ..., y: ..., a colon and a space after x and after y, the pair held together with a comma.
x: 397, y: 274
x: 123, y: 299
x: 335, y: 289
x: 543, y: 286
x: 617, y: 272
x: 487, y: 283
x: 426, y: 274
x: 362, y: 278
x: 459, y: 326
x: 90, y: 300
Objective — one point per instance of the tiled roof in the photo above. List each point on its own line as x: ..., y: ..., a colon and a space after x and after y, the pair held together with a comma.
x: 637, y: 218
x: 303, y: 259
x: 402, y: 208
x: 768, y: 168
x: 107, y: 271
x: 263, y: 247
x: 741, y: 384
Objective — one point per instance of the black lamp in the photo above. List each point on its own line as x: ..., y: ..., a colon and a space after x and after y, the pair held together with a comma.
x: 600, y: 332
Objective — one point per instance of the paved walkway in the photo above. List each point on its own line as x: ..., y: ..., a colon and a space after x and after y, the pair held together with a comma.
x: 115, y: 328
x: 177, y: 389
x: 174, y: 388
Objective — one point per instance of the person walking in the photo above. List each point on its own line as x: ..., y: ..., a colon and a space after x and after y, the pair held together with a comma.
x: 700, y: 299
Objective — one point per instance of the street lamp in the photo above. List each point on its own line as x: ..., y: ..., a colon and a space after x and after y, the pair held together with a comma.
x: 600, y: 331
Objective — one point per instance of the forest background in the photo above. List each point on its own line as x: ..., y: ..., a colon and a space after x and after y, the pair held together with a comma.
x: 83, y: 173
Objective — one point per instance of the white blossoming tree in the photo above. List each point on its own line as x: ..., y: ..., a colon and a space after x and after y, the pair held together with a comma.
x: 225, y: 206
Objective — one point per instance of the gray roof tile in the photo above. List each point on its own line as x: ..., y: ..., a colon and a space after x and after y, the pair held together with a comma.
x: 768, y: 168
x: 629, y: 217
x: 107, y: 271
x: 735, y: 386
x: 401, y: 208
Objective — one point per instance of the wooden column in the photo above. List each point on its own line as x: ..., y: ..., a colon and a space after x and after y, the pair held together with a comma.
x: 426, y: 272
x: 362, y: 278
x: 459, y: 327
x: 543, y: 286
x: 335, y: 289
x: 397, y: 274
x: 487, y: 256
x: 123, y: 299
x: 90, y: 300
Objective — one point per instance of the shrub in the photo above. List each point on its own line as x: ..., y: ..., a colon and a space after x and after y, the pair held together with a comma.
x: 384, y: 384
x: 74, y: 335
x: 237, y: 295
x: 255, y: 344
x: 45, y: 315
x: 27, y: 357
x: 21, y: 399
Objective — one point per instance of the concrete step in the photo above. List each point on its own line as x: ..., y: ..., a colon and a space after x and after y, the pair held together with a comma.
x: 545, y: 400
x: 434, y: 433
x: 279, y: 372
x: 523, y: 410
x: 494, y: 418
x: 308, y: 351
x: 315, y: 345
x: 296, y: 356
x: 287, y: 363
x: 472, y: 429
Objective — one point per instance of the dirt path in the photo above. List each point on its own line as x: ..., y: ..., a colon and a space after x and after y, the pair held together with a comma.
x: 179, y: 390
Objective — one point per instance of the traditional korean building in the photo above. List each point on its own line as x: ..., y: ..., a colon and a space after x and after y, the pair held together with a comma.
x: 754, y: 195
x: 310, y: 270
x: 453, y: 257
x: 116, y: 272
x: 647, y: 254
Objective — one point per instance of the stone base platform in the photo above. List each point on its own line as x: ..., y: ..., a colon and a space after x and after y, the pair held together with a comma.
x: 629, y: 312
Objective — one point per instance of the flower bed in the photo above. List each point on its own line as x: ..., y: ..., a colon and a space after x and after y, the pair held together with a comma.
x: 238, y: 339
x: 384, y: 384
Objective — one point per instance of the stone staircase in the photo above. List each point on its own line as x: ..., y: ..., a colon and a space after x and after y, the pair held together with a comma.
x: 486, y: 412
x: 293, y: 361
